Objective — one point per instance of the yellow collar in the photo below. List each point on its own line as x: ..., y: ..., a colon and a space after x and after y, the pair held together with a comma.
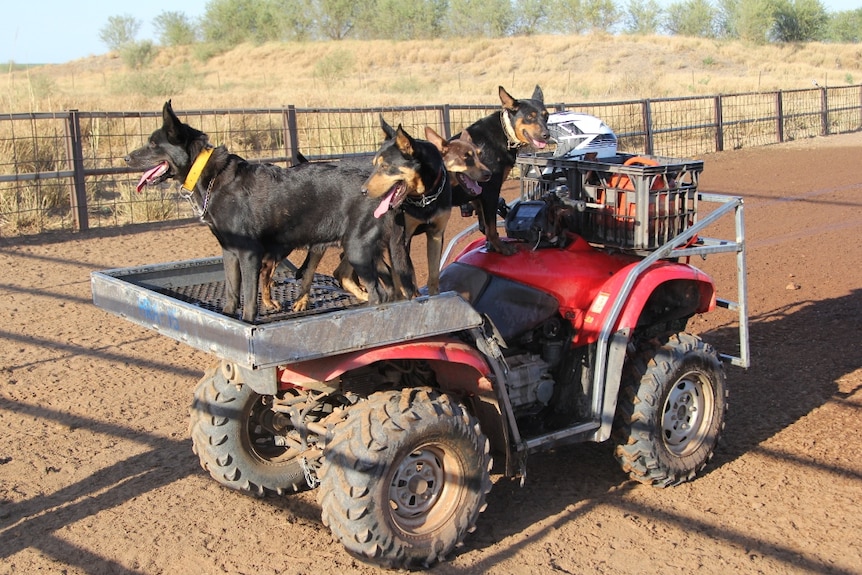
x: 197, y: 168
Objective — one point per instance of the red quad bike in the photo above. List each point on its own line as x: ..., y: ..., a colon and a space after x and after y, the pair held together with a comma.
x: 399, y: 413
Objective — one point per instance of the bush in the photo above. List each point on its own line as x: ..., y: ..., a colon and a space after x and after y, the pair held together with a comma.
x: 174, y: 29
x: 160, y: 83
x: 334, y: 65
x: 119, y: 30
x: 137, y: 55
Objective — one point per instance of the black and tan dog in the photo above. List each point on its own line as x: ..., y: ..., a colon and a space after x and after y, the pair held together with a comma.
x: 461, y: 159
x: 411, y: 174
x: 260, y: 213
x: 518, y: 124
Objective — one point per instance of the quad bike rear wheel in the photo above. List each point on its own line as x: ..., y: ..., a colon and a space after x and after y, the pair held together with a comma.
x: 404, y: 477
x: 670, y: 415
x: 239, y: 439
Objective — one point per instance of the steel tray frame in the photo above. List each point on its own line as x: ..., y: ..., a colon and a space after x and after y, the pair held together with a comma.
x: 136, y: 294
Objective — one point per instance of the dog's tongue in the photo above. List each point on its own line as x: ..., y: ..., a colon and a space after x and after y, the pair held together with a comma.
x: 385, y: 203
x: 472, y: 185
x: 538, y: 144
x: 151, y: 173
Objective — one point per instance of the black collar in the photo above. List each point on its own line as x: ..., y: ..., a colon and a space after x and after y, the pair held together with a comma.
x: 427, y: 199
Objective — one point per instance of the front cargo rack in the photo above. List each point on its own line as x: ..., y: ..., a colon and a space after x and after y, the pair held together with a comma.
x: 632, y: 202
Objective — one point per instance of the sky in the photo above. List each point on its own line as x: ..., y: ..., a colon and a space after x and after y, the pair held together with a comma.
x: 57, y: 31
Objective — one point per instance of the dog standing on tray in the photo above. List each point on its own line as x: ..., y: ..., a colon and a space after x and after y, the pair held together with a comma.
x: 415, y: 175
x: 426, y: 209
x: 518, y: 124
x: 260, y: 213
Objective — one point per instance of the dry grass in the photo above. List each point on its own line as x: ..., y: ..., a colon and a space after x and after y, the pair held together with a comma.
x: 385, y: 73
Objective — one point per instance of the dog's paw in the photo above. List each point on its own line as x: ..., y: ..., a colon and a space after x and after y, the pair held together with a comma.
x: 354, y: 289
x: 301, y: 304
x: 501, y: 247
x: 272, y: 305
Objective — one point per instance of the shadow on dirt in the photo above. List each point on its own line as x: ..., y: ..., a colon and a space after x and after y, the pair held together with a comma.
x: 799, y: 352
x: 38, y: 522
x: 48, y: 238
x: 34, y: 523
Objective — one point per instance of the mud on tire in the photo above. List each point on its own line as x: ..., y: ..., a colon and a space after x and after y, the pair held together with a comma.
x: 234, y: 441
x: 404, y: 477
x: 670, y: 415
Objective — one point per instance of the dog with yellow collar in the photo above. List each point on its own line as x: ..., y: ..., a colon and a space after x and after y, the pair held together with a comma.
x: 260, y: 213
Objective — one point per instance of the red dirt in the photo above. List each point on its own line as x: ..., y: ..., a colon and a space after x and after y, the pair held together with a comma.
x: 97, y: 475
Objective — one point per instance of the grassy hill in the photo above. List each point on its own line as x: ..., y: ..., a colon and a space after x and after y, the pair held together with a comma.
x: 570, y: 69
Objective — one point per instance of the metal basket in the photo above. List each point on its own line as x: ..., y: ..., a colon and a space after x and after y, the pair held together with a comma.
x: 631, y: 202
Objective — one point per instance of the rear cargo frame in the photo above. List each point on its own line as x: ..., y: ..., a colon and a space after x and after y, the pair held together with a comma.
x: 147, y: 296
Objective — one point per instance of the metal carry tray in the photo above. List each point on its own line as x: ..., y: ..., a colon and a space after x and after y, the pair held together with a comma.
x: 179, y: 300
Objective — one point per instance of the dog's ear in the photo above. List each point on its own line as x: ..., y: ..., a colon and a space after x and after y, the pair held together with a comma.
x: 387, y: 129
x: 508, y: 101
x: 439, y: 142
x: 404, y: 141
x: 538, y: 95
x: 170, y: 122
x: 465, y: 137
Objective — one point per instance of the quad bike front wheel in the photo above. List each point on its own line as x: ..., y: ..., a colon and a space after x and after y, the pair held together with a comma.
x: 670, y: 415
x: 404, y: 477
x: 240, y: 441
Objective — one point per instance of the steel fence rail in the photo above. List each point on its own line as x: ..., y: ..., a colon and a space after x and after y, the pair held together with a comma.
x: 66, y: 170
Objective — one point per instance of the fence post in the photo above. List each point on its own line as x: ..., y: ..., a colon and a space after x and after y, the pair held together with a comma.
x: 78, y: 197
x: 446, y: 121
x: 719, y: 123
x: 779, y: 114
x: 646, y: 118
x: 291, y: 136
x: 824, y: 112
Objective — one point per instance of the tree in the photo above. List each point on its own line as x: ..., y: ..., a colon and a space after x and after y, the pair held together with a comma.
x: 231, y: 22
x: 748, y: 20
x: 174, y: 29
x: 601, y: 15
x: 530, y: 17
x: 489, y: 18
x: 691, y: 18
x: 337, y: 18
x: 798, y: 21
x: 401, y: 19
x: 228, y: 22
x: 727, y: 18
x: 845, y: 26
x: 642, y: 17
x: 755, y: 19
x: 579, y: 16
x: 295, y: 19
x: 119, y: 30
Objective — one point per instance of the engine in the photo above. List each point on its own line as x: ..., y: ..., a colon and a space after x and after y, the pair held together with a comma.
x: 545, y: 374
x: 529, y: 383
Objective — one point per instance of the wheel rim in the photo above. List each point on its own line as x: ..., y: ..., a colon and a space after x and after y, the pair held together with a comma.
x: 687, y: 413
x: 259, y: 433
x: 424, y: 489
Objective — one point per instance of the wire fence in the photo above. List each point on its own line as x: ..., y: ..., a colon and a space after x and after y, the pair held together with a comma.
x: 66, y: 170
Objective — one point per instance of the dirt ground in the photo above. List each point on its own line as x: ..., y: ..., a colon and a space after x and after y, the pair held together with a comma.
x: 97, y: 474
